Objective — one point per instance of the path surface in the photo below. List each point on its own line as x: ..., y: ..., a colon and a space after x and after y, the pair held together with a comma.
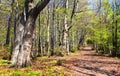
x: 88, y: 63
x: 85, y: 63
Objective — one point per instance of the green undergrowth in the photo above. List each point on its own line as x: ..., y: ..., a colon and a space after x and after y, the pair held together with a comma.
x: 50, y: 62
x: 4, y: 62
x: 50, y: 71
x: 43, y: 57
x: 30, y: 71
x: 100, y: 52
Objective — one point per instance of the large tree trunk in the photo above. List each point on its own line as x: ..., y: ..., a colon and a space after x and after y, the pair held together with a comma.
x: 23, y: 41
x: 18, y: 43
x: 24, y: 53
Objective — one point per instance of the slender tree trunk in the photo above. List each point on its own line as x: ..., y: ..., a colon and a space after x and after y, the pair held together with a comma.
x: 39, y: 38
x: 73, y: 40
x: 8, y: 31
x: 53, y: 31
x: 16, y: 20
x: 114, y: 31
x: 66, y: 32
x: 9, y: 24
x: 116, y: 35
x: 15, y: 23
x: 59, y: 31
x: 81, y: 40
x: 48, y: 32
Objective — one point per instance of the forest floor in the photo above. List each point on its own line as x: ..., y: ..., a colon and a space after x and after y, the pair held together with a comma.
x: 87, y: 63
x: 82, y: 63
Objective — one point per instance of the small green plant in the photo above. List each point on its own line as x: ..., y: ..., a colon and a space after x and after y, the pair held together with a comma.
x: 61, y: 74
x: 74, y: 48
x: 36, y: 73
x: 59, y: 51
x: 100, y: 52
x: 50, y: 62
x: 16, y: 73
x: 4, y: 62
x: 49, y: 71
x: 60, y: 62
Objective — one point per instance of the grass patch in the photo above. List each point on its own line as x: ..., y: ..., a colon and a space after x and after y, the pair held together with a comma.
x: 43, y: 57
x: 4, y: 62
x: 50, y: 62
x: 50, y: 70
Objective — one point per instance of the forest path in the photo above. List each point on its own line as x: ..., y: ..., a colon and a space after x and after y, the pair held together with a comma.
x: 88, y: 63
x: 83, y: 63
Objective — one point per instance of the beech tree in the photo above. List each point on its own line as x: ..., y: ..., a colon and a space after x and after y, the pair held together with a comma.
x: 24, y: 32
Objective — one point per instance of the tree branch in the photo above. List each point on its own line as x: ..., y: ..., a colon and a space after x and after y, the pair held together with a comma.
x: 39, y: 7
x: 73, y: 12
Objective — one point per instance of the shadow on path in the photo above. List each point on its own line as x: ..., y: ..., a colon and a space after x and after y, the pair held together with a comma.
x: 89, y: 64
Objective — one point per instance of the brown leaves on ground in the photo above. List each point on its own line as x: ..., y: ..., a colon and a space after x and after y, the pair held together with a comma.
x: 83, y: 63
x: 87, y: 63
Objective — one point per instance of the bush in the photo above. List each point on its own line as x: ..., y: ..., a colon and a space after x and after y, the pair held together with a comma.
x: 100, y: 52
x: 59, y: 51
x: 60, y: 62
x: 74, y: 49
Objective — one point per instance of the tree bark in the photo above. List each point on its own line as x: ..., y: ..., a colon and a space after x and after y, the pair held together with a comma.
x: 23, y: 41
x: 39, y: 38
x: 48, y: 34
x: 9, y: 23
x: 65, y: 32
x: 53, y: 39
x: 8, y: 30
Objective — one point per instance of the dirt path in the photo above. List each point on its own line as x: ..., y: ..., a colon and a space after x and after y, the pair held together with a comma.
x: 88, y: 63
x: 84, y: 63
